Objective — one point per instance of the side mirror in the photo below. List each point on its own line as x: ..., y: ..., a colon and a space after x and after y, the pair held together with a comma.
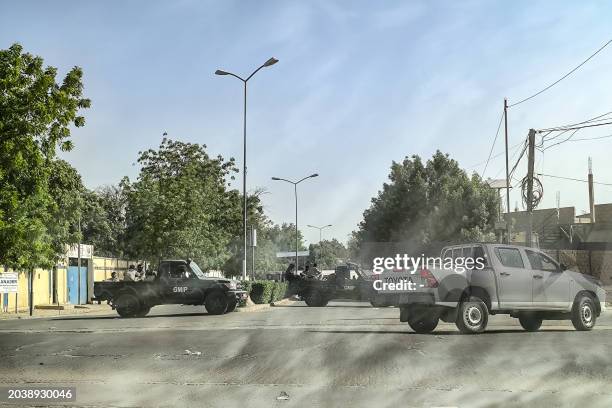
x: 563, y: 267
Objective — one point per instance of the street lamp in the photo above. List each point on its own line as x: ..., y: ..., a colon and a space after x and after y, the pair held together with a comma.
x: 320, y: 234
x: 295, y: 183
x: 320, y: 229
x: 268, y: 63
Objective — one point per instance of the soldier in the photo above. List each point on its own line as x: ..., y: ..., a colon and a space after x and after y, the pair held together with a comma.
x: 130, y: 275
x: 312, y: 272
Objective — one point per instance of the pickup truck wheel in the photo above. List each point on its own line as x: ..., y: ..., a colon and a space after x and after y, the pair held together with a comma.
x: 314, y: 298
x: 422, y: 322
x: 127, y: 305
x: 472, y: 316
x: 583, y: 313
x: 231, y: 306
x: 144, y: 310
x: 530, y: 323
x: 216, y: 303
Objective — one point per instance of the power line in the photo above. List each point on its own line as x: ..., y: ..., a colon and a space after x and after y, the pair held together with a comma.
x: 563, y: 141
x: 573, y: 179
x: 493, y: 145
x: 595, y: 119
x: 496, y: 155
x: 519, y: 159
x: 563, y: 77
x: 565, y: 128
x: 591, y: 138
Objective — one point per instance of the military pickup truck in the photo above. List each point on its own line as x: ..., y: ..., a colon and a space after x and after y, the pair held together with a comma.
x: 176, y: 282
x: 501, y: 279
x: 347, y: 282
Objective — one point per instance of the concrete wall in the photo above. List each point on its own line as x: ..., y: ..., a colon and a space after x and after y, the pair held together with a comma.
x: 99, y: 269
x: 594, y: 263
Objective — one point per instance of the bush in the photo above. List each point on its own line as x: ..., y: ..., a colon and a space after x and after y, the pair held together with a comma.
x: 246, y: 286
x: 261, y: 291
x: 280, y: 290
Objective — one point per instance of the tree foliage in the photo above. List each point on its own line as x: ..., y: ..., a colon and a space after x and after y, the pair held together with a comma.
x: 425, y: 204
x: 180, y: 205
x: 36, y: 114
x: 328, y: 253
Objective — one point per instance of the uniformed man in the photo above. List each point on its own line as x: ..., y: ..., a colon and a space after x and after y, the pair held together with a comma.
x: 130, y: 275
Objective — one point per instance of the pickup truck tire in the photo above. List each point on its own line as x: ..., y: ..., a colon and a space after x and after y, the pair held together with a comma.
x: 216, y: 303
x: 231, y: 306
x: 376, y: 303
x: 422, y: 321
x: 530, y: 323
x: 144, y: 310
x: 584, y: 313
x: 127, y: 305
x: 314, y: 298
x: 472, y: 316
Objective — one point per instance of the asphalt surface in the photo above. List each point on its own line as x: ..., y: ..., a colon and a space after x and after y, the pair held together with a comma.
x: 343, y: 355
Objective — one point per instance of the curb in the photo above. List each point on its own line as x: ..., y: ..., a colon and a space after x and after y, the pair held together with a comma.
x: 77, y: 311
x: 256, y: 307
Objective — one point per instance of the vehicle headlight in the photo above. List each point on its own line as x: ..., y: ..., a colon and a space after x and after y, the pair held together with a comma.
x: 231, y: 285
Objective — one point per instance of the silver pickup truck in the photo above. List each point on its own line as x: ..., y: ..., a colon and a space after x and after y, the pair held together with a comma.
x: 501, y: 279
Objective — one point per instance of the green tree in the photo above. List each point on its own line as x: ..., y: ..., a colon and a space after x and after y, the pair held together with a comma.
x: 36, y: 114
x: 180, y: 205
x: 103, y: 222
x: 427, y: 205
x: 328, y: 253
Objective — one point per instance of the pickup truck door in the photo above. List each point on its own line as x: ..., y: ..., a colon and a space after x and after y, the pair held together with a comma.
x: 514, y: 279
x: 174, y: 284
x: 551, y: 286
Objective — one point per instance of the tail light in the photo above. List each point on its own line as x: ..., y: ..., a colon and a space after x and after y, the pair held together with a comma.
x: 431, y: 281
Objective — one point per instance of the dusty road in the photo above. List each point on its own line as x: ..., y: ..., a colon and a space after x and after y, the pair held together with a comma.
x: 343, y: 355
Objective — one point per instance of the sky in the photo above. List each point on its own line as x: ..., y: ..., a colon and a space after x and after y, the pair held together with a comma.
x: 358, y: 85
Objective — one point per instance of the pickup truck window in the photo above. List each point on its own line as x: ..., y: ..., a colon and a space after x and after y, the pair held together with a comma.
x: 541, y: 262
x: 456, y: 253
x: 510, y: 257
x: 480, y: 254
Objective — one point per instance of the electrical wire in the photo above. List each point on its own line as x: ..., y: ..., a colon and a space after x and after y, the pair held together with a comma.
x: 573, y: 179
x: 597, y: 118
x: 563, y: 77
x: 519, y: 159
x: 591, y: 138
x: 563, y: 141
x: 496, y: 155
x: 560, y: 128
x: 493, y: 145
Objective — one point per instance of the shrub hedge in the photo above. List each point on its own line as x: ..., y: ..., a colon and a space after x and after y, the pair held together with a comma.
x: 264, y: 291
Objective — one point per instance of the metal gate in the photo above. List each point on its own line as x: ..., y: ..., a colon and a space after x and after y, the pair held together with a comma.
x: 73, y: 285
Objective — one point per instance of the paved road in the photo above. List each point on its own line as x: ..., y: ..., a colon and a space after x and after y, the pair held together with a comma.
x: 344, y: 355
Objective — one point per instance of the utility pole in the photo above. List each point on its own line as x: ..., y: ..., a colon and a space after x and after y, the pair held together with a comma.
x: 530, y: 166
x: 508, y: 232
x: 79, y: 264
x: 591, y: 192
x: 253, y: 245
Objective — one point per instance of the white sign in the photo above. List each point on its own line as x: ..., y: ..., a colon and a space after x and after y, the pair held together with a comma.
x: 8, y: 282
x: 86, y: 251
x: 291, y: 254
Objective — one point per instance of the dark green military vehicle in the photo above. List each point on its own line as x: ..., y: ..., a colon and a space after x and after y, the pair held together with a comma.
x: 347, y: 282
x: 176, y: 282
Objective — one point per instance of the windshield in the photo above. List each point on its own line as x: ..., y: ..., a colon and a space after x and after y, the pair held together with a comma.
x: 196, y: 269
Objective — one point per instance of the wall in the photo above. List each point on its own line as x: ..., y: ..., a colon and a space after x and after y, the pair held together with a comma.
x: 595, y: 263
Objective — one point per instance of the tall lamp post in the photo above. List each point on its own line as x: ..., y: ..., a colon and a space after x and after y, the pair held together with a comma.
x: 295, y: 183
x: 268, y: 63
x: 320, y: 229
x: 320, y: 234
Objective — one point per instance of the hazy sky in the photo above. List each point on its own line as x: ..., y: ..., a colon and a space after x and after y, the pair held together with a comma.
x: 359, y: 84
